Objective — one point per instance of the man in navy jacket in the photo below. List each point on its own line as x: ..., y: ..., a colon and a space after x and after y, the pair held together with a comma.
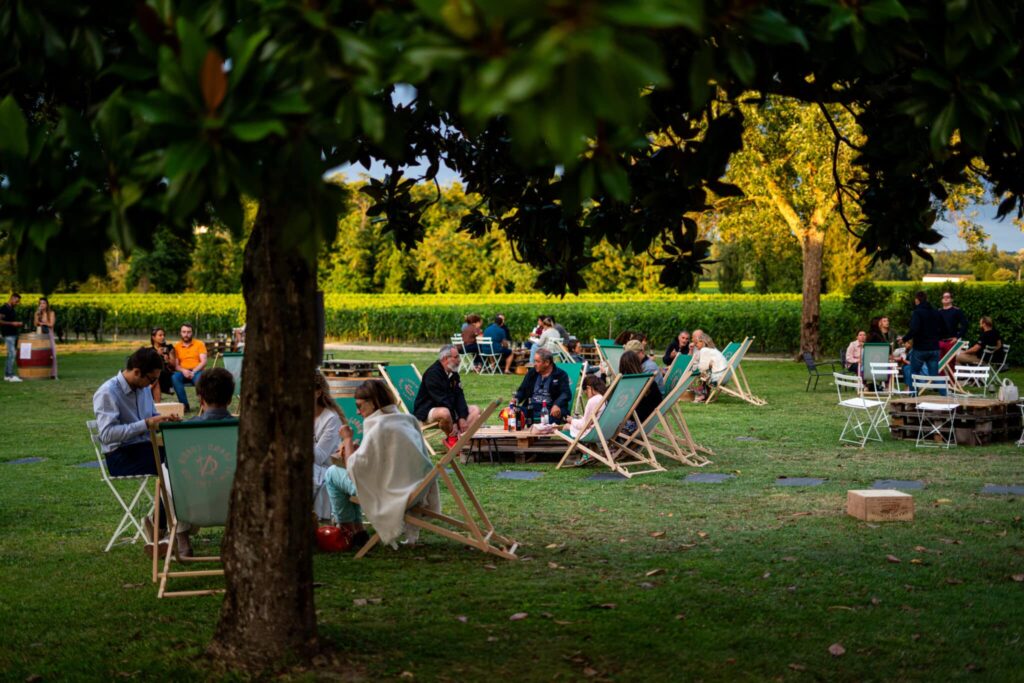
x: 926, y: 329
x: 546, y: 382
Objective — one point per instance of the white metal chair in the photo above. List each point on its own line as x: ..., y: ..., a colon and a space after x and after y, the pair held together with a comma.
x: 971, y: 376
x: 465, y: 361
x: 995, y: 379
x: 863, y: 415
x: 886, y: 385
x: 490, y: 355
x: 140, y: 505
x: 937, y: 416
x: 1020, y: 441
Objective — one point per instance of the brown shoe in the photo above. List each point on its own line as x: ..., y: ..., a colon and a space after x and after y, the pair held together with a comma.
x: 147, y: 524
x: 149, y: 549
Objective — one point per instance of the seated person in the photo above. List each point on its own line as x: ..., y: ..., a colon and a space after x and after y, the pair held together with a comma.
x: 630, y: 364
x: 549, y: 338
x: 560, y: 329
x: 441, y: 399
x: 989, y: 338
x: 535, y: 335
x: 545, y: 382
x: 391, y: 461
x: 646, y: 362
x: 470, y: 332
x: 238, y: 338
x: 215, y: 391
x: 711, y: 364
x: 124, y: 413
x: 496, y: 332
x: 158, y: 340
x: 575, y: 347
x: 900, y: 356
x: 855, y: 351
x: 190, y: 359
x: 679, y: 345
x: 326, y: 423
x: 594, y: 388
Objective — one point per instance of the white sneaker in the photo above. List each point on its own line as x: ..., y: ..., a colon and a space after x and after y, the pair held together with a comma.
x: 6, y: 378
x: 14, y: 379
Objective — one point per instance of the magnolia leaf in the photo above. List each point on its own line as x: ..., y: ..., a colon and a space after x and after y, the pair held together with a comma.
x: 254, y: 131
x: 13, y: 128
x: 213, y: 81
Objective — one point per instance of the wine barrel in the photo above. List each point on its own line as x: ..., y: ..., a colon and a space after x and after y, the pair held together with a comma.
x: 344, y: 386
x: 35, y: 357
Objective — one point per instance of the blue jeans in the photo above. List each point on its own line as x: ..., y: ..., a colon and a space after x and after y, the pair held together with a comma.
x: 12, y: 350
x: 178, y: 381
x: 926, y: 360
x: 339, y: 487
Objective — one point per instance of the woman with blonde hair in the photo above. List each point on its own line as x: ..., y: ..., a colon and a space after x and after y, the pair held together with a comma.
x: 46, y: 323
x: 327, y: 421
x: 710, y: 363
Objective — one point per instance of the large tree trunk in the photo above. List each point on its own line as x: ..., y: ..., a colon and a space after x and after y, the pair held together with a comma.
x: 268, y: 612
x: 812, y: 245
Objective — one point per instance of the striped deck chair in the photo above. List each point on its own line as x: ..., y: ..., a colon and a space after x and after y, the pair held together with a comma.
x: 667, y: 431
x: 734, y: 381
x: 945, y: 363
x: 576, y: 372
x: 680, y: 364
x: 474, y: 530
x: 233, y: 364
x: 404, y: 382
x: 602, y: 438
x: 347, y: 404
x: 200, y: 467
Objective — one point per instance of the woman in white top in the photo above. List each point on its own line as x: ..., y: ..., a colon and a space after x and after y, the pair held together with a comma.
x: 710, y: 362
x: 325, y: 442
x: 593, y: 388
x: 549, y: 337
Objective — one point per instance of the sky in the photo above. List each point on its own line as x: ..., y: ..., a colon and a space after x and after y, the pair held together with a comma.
x: 1004, y: 234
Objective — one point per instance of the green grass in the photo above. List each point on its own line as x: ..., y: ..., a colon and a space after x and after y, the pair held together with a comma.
x: 753, y: 581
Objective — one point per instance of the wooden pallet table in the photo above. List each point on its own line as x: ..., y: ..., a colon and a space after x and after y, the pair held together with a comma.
x: 979, y: 421
x: 344, y: 376
x: 590, y: 354
x: 495, y: 445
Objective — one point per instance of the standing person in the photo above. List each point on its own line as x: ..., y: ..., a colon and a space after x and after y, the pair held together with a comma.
x: 855, y: 351
x: 545, y: 382
x: 926, y: 329
x: 327, y: 421
x: 9, y: 327
x: 679, y: 345
x: 158, y: 340
x: 955, y: 323
x: 441, y: 399
x: 46, y: 323
x: 500, y: 342
x: 124, y: 413
x: 189, y: 361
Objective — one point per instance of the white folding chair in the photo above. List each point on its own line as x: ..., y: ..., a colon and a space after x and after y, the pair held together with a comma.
x: 886, y: 385
x: 970, y: 376
x: 490, y: 355
x: 863, y: 415
x: 465, y: 361
x: 995, y: 379
x: 140, y: 505
x: 1020, y: 441
x: 936, y: 416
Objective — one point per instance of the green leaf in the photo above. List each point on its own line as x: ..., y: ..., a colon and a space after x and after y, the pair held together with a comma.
x: 254, y: 131
x: 13, y: 128
x: 701, y: 72
x: 186, y: 157
x: 943, y: 126
x: 881, y: 11
x: 940, y: 81
x: 656, y: 13
x: 773, y: 28
x: 290, y: 102
x: 241, y: 48
x: 615, y: 181
x: 742, y: 64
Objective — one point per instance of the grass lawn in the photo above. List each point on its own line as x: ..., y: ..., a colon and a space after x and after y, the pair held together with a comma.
x: 647, y: 579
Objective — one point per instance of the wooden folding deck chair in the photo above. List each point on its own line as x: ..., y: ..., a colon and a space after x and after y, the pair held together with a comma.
x: 233, y: 364
x: 602, y: 437
x: 347, y: 405
x: 731, y: 348
x: 945, y: 363
x: 404, y: 382
x: 667, y: 431
x: 611, y: 354
x: 576, y: 372
x: 680, y: 364
x: 476, y: 531
x: 734, y: 381
x: 200, y: 465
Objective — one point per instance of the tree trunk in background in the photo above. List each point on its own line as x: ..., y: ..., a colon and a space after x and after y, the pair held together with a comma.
x: 812, y: 245
x: 268, y: 613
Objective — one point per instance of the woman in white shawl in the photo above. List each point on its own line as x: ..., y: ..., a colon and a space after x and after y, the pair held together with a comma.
x: 710, y: 362
x: 383, y: 471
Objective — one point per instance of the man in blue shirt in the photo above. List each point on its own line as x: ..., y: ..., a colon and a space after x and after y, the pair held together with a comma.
x: 500, y: 342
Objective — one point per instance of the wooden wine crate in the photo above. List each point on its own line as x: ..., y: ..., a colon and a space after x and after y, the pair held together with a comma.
x: 880, y: 505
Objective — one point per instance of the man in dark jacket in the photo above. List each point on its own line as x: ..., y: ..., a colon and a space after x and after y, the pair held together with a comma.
x: 441, y: 399
x: 545, y: 382
x: 955, y: 322
x: 926, y: 329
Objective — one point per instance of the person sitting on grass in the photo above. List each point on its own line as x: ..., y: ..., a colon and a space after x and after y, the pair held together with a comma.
x: 215, y: 391
x: 390, y: 462
x: 441, y: 399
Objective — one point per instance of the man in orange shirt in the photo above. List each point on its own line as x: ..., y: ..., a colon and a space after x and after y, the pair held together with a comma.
x: 190, y: 359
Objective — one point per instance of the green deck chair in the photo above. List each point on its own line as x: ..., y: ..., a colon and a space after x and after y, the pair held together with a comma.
x: 576, y: 372
x: 233, y: 364
x: 734, y: 380
x: 605, y: 442
x: 347, y: 404
x: 680, y: 364
x: 731, y: 348
x: 946, y: 360
x: 873, y: 353
x: 611, y: 355
x: 404, y: 382
x: 200, y: 462
x: 667, y: 431
x: 604, y: 342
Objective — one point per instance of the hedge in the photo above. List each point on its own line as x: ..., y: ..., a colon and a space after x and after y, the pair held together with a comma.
x: 773, y: 319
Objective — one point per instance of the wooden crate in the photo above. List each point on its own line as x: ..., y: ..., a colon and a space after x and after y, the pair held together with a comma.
x: 880, y: 505
x: 979, y: 421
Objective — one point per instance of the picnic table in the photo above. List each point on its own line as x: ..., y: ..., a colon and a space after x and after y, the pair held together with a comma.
x: 344, y: 376
x: 493, y: 443
x: 979, y: 420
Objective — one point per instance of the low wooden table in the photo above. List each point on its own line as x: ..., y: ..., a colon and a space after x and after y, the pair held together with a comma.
x: 492, y: 442
x: 344, y: 376
x: 979, y: 421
